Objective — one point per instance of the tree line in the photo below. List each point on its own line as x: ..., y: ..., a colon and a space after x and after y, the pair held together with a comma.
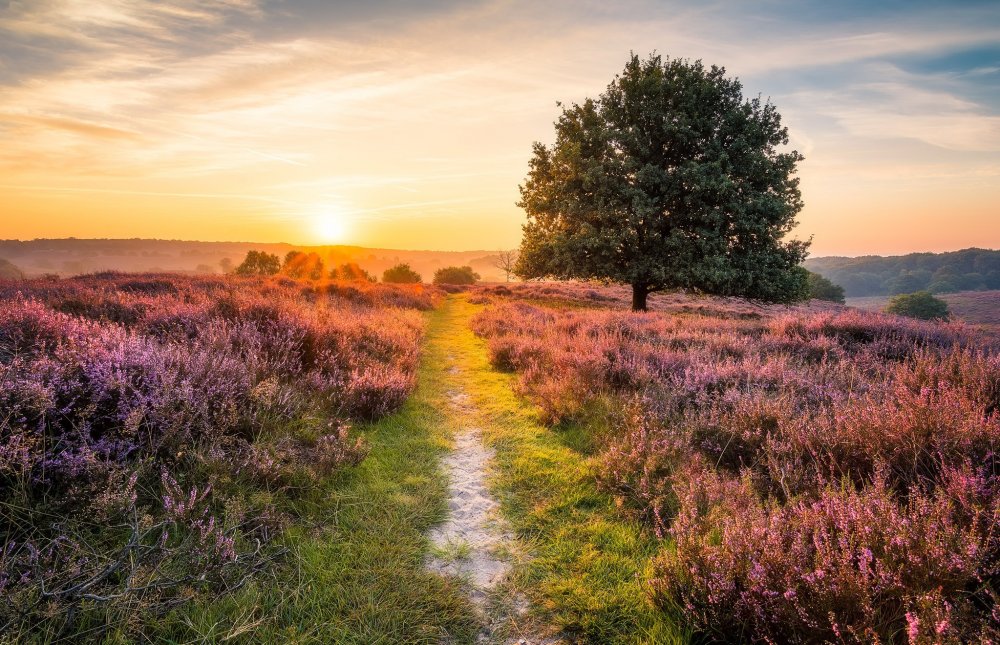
x: 873, y: 275
x: 309, y: 266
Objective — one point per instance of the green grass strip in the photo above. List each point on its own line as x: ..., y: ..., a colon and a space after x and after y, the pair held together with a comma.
x: 586, y: 564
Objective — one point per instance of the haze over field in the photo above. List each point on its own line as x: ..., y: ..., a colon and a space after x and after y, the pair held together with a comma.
x: 409, y: 125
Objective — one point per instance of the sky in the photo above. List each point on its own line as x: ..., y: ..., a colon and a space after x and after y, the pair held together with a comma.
x: 409, y: 124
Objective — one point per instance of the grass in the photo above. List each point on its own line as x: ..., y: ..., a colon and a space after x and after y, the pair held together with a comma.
x: 355, y: 573
x: 584, y: 563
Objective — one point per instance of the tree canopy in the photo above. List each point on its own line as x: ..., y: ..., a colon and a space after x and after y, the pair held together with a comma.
x: 506, y: 261
x: 669, y: 180
x: 259, y: 263
x: 302, y: 265
x: 922, y: 304
x: 351, y: 272
x: 401, y: 274
x: 455, y: 275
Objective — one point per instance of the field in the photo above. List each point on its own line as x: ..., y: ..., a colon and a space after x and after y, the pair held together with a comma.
x: 264, y: 460
x: 978, y: 308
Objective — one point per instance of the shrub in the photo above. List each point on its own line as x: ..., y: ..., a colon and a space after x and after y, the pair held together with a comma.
x: 456, y: 275
x: 922, y: 305
x: 401, y: 274
x: 852, y: 565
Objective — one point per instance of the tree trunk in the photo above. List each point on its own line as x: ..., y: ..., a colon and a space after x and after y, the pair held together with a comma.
x: 639, y: 293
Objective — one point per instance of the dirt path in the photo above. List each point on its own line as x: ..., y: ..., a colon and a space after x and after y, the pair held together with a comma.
x: 474, y: 543
x: 471, y: 543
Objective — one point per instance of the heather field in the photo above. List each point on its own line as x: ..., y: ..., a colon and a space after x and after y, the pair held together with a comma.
x: 163, y: 438
x: 215, y: 459
x: 810, y: 475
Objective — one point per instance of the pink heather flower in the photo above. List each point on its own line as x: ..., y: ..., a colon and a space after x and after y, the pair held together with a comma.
x: 912, y: 626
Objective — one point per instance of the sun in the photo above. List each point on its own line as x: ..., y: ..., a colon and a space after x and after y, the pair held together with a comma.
x: 330, y: 226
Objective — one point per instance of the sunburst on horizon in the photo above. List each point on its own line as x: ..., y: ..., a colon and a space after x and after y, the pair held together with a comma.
x: 330, y: 225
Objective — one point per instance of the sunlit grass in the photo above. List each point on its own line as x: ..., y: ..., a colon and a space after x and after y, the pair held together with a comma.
x: 585, y: 564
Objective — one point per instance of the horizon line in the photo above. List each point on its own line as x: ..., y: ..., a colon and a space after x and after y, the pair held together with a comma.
x: 379, y: 248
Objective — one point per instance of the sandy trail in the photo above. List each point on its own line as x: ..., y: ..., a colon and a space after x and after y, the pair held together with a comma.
x: 472, y: 543
x: 471, y: 538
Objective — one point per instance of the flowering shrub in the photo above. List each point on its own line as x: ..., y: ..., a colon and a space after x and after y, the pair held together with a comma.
x: 136, y: 410
x: 819, y: 474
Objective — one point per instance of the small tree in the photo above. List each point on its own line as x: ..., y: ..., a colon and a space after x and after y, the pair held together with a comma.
x: 259, y: 263
x: 669, y: 180
x: 226, y: 264
x: 352, y: 272
x: 922, y: 305
x: 820, y: 288
x: 506, y: 261
x: 401, y: 274
x: 455, y: 275
x: 303, y: 265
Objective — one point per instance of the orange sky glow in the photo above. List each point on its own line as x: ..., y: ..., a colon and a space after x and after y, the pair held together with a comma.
x: 410, y: 125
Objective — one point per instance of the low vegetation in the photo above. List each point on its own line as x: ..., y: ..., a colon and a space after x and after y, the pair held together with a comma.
x: 813, y: 475
x: 401, y: 274
x: 922, y: 305
x: 463, y: 275
x: 158, y: 433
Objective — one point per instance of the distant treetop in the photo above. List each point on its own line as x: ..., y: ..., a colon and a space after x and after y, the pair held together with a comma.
x: 351, y: 272
x: 822, y: 289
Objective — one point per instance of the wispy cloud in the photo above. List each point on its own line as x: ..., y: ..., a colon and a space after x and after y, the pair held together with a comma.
x: 432, y: 108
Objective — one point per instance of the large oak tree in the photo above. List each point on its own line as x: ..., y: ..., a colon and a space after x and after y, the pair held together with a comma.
x: 669, y: 180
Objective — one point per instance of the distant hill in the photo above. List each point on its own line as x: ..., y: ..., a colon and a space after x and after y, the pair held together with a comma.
x: 72, y: 256
x: 9, y: 271
x: 875, y: 275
